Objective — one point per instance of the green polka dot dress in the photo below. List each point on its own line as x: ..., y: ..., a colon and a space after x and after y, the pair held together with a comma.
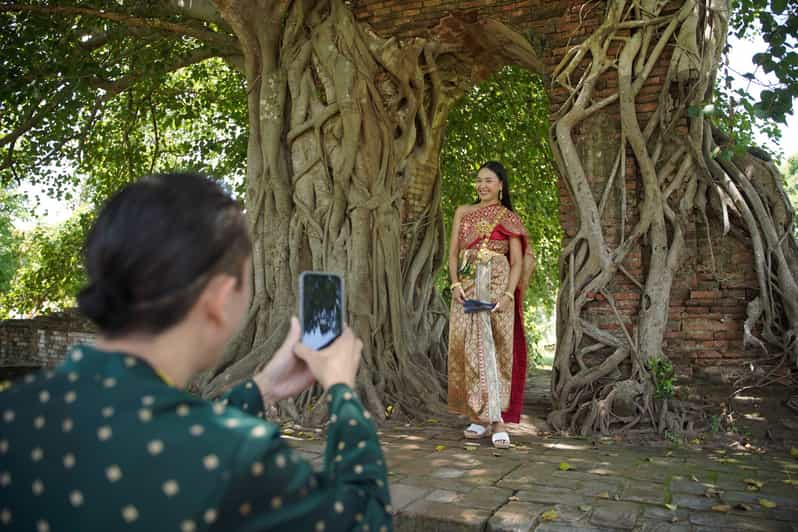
x: 103, y: 443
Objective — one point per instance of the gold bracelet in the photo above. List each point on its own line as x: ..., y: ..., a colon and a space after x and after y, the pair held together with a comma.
x: 455, y: 285
x: 509, y: 294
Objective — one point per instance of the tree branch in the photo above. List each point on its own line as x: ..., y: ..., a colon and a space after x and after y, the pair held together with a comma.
x: 207, y: 36
x: 198, y: 10
x: 116, y: 87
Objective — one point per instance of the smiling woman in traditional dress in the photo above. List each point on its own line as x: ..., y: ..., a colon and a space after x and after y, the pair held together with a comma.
x: 490, y: 262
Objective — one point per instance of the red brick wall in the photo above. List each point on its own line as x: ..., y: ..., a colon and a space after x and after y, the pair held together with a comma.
x: 704, y: 337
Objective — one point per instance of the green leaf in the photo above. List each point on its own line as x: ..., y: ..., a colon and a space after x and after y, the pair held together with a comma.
x: 778, y: 6
x: 767, y: 503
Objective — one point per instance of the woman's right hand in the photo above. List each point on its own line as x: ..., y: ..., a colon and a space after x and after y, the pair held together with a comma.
x: 458, y: 294
x: 336, y: 363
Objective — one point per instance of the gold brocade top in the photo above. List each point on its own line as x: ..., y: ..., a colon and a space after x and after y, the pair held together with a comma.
x: 487, y: 231
x: 491, y: 228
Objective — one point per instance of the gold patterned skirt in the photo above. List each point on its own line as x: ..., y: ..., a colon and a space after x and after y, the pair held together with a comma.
x: 480, y: 360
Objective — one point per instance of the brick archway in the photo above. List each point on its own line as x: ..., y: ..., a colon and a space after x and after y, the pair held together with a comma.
x: 707, y: 307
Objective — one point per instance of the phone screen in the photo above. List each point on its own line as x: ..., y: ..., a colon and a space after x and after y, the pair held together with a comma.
x: 321, y: 308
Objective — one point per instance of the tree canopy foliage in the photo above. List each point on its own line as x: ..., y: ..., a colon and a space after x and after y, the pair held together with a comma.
x: 790, y: 171
x: 10, y: 208
x: 777, y: 23
x: 92, y: 102
x: 737, y: 110
x: 114, y: 96
x: 48, y: 272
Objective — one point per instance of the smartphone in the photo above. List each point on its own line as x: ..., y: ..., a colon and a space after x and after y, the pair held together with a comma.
x: 321, y: 308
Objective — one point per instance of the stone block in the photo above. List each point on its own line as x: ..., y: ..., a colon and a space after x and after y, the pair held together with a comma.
x: 432, y: 516
x: 516, y: 517
x: 615, y: 514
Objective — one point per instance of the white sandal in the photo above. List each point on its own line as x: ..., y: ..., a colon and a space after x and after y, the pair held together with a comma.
x: 475, y: 432
x: 501, y: 440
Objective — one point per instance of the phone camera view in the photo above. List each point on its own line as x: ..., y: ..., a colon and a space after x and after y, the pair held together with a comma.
x: 322, y: 309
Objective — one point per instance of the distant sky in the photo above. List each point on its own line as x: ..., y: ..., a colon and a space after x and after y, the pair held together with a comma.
x: 52, y: 211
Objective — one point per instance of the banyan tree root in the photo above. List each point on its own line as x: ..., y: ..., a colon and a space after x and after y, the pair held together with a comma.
x: 603, y: 381
x: 341, y: 122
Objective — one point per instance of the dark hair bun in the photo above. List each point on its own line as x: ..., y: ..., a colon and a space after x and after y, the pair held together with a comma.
x: 104, y: 306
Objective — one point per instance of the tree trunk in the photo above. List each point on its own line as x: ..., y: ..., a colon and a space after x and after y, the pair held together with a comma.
x: 603, y: 380
x: 343, y: 175
x: 339, y: 121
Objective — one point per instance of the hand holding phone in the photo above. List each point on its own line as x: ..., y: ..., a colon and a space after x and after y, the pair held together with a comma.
x: 329, y: 348
x: 286, y: 374
x: 337, y: 363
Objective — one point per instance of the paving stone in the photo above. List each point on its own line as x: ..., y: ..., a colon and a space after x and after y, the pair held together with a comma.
x: 460, y: 459
x: 615, y: 514
x: 694, y: 502
x: 431, y: 516
x: 436, y: 483
x: 551, y: 526
x: 488, y: 497
x: 690, y: 486
x: 654, y: 473
x: 661, y: 513
x: 573, y: 514
x: 768, y: 526
x: 516, y: 517
x: 444, y: 496
x: 652, y: 525
x: 639, y: 491
x: 724, y: 521
x: 405, y: 494
x: 784, y: 513
x: 489, y: 475
x: 604, y: 487
x: 447, y: 473
x: 554, y: 496
x: 531, y: 474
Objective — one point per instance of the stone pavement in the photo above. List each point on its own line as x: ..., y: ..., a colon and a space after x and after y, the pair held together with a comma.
x: 545, y: 483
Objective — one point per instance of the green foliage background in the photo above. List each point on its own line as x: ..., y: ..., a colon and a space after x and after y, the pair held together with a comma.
x: 736, y: 110
x: 192, y: 119
x: 11, y: 206
x: 48, y: 272
x: 790, y: 172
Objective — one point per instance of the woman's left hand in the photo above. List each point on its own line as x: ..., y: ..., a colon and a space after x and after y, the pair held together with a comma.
x: 504, y: 303
x: 286, y: 375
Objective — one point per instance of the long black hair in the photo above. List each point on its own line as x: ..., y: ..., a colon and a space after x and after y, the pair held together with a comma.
x: 498, y: 169
x: 154, y: 247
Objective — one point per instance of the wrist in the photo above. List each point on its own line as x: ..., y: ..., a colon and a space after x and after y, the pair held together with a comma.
x: 338, y: 382
x: 265, y: 392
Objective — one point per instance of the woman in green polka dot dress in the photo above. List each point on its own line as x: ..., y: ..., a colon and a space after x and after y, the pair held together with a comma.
x: 110, y: 440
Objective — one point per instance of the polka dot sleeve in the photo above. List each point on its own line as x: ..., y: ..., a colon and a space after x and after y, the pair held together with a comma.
x: 273, y: 488
x: 246, y: 397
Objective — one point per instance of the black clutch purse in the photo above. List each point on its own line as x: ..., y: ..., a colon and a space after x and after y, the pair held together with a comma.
x: 476, y: 305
